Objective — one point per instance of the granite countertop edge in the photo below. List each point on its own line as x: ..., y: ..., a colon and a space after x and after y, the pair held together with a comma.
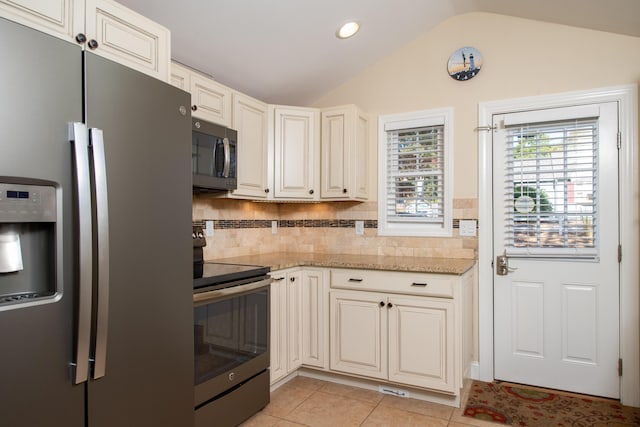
x: 283, y: 260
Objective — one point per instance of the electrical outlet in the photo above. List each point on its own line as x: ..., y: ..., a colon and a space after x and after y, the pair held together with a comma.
x: 360, y: 228
x: 208, y: 228
x: 468, y: 227
x: 274, y: 227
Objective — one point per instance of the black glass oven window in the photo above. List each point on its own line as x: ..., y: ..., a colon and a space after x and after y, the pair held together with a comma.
x: 230, y: 332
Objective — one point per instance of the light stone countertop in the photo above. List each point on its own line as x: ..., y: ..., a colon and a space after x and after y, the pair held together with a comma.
x: 282, y: 260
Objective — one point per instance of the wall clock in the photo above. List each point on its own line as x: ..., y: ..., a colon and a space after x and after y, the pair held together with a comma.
x: 464, y: 63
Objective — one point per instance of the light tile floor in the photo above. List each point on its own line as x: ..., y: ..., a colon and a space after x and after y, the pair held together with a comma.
x: 310, y: 402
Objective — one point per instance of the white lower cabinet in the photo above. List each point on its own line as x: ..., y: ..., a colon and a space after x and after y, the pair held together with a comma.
x: 358, y: 325
x: 315, y: 308
x: 403, y: 328
x: 299, y: 301
x: 406, y: 328
x: 421, y: 338
x: 286, y: 328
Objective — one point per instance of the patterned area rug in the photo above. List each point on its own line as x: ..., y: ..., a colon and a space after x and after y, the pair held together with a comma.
x: 506, y: 404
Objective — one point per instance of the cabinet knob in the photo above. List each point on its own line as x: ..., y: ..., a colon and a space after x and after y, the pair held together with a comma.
x: 293, y: 279
x: 310, y: 191
x: 389, y: 305
x: 381, y: 303
x: 92, y: 44
x: 266, y: 190
x: 81, y: 38
x: 344, y: 191
x: 194, y: 107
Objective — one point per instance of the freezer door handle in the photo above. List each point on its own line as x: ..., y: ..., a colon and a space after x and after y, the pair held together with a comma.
x: 79, y: 137
x: 102, y: 220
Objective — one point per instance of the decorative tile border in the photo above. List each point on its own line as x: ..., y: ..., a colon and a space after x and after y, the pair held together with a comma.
x: 234, y: 224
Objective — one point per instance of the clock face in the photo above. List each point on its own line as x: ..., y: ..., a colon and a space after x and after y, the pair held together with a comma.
x: 464, y: 63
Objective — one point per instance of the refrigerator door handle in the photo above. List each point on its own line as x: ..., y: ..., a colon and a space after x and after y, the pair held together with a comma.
x: 227, y: 157
x: 79, y: 136
x: 102, y: 219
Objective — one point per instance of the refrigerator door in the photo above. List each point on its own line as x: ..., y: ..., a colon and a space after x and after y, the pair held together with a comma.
x: 146, y: 129
x: 40, y: 83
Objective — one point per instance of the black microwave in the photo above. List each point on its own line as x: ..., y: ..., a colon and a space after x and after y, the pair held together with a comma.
x: 214, y: 151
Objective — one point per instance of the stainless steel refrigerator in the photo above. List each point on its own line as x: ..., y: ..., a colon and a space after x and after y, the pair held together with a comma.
x: 95, y: 249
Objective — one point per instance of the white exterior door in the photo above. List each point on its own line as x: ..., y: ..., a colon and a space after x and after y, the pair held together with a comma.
x: 555, y: 195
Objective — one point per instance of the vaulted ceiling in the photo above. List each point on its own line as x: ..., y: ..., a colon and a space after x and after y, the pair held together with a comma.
x: 286, y: 52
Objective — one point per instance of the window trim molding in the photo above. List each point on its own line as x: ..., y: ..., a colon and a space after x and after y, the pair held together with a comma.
x: 627, y: 98
x: 431, y: 117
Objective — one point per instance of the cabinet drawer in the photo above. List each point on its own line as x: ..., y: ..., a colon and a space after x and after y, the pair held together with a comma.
x: 425, y: 284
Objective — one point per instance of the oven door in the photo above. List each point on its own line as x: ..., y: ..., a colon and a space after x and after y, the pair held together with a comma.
x: 231, y: 337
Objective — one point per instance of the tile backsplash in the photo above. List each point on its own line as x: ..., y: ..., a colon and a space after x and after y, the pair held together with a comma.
x: 244, y: 227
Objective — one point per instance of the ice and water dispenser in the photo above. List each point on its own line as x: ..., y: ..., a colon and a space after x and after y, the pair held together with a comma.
x: 28, y: 222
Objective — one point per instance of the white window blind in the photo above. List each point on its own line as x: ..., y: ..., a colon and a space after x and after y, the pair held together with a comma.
x: 551, y: 195
x: 415, y: 175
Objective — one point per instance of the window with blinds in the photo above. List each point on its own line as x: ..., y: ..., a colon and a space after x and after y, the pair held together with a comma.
x: 551, y: 190
x: 415, y: 174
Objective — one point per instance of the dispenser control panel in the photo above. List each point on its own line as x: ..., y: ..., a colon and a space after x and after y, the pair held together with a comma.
x: 27, y: 203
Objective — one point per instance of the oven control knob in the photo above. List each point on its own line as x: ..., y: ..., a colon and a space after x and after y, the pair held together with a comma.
x: 232, y: 375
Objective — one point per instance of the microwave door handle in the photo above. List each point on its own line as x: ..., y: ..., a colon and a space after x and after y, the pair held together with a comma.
x: 102, y: 219
x: 227, y: 157
x: 79, y: 137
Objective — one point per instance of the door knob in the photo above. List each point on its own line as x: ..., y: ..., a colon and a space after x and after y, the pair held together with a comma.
x: 502, y: 265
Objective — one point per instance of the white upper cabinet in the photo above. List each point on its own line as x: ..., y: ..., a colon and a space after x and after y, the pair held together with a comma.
x: 251, y: 120
x: 210, y: 100
x: 102, y: 26
x: 345, y: 154
x: 297, y: 153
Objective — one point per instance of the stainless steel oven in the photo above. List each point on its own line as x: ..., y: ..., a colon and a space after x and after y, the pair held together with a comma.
x: 231, y: 343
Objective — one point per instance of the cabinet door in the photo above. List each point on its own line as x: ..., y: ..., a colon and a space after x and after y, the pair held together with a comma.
x: 358, y: 322
x: 250, y: 119
x: 345, y: 154
x: 210, y: 100
x: 295, y: 153
x: 421, y: 339
x: 128, y: 38
x: 314, y: 318
x: 294, y: 320
x: 359, y: 166
x: 278, y: 343
x: 60, y: 18
x: 335, y: 153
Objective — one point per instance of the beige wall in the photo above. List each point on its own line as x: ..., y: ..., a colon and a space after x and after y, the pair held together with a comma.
x: 521, y: 58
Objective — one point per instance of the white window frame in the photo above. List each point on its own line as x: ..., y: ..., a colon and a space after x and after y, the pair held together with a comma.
x: 434, y: 117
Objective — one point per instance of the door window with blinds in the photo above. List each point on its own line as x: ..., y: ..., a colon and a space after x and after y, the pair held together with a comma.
x: 551, y: 183
x: 414, y: 188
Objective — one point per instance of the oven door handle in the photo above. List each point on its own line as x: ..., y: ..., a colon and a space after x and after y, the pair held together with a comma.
x: 206, y: 297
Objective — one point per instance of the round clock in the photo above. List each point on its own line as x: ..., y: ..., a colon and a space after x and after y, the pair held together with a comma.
x: 464, y: 63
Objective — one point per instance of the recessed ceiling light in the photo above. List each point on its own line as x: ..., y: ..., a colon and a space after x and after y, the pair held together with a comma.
x: 347, y: 30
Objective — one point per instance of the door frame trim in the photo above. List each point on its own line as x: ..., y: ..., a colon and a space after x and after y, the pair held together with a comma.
x: 627, y: 98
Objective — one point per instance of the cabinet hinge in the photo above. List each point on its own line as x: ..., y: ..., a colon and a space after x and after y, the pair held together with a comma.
x: 619, y: 140
x: 619, y: 367
x: 619, y: 254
